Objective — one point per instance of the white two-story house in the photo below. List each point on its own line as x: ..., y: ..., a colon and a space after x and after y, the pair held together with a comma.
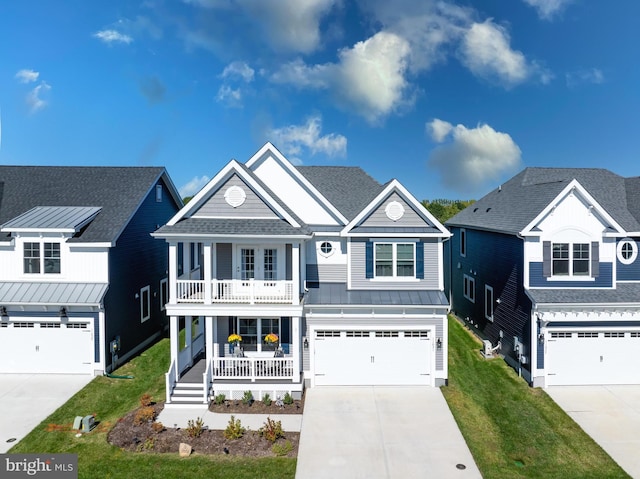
x: 82, y: 282
x: 346, y: 273
x: 546, y: 267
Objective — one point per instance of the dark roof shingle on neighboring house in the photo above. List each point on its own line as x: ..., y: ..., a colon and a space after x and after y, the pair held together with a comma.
x: 348, y: 188
x: 512, y: 206
x: 118, y: 191
x: 231, y: 226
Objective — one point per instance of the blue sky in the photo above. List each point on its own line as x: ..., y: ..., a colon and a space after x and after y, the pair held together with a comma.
x: 451, y: 98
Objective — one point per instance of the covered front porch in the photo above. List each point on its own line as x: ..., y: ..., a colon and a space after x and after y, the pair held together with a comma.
x: 204, y: 364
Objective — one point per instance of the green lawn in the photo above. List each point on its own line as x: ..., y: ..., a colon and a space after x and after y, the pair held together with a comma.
x: 111, y: 399
x: 514, y: 430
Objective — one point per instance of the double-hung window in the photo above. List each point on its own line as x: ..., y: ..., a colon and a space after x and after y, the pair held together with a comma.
x: 41, y: 258
x: 469, y: 288
x: 570, y: 259
x: 395, y: 260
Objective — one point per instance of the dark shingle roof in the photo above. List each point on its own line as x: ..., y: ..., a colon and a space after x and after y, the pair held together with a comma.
x: 224, y: 227
x: 511, y: 207
x: 624, y: 293
x: 348, y: 188
x: 118, y: 191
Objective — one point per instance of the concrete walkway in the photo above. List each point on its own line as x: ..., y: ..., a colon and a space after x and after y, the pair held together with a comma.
x: 27, y: 399
x: 610, y: 415
x: 179, y: 416
x: 381, y: 433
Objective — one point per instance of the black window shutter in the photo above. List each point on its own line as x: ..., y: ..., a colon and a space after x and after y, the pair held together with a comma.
x: 369, y: 260
x: 420, y: 260
x: 546, y: 259
x: 595, y: 259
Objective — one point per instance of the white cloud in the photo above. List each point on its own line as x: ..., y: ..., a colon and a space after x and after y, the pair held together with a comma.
x: 229, y: 96
x: 473, y: 157
x: 34, y: 97
x: 485, y: 50
x: 193, y: 186
x: 368, y: 78
x: 238, y: 69
x: 547, y: 9
x: 27, y: 76
x: 590, y: 75
x: 293, y: 139
x: 113, y: 36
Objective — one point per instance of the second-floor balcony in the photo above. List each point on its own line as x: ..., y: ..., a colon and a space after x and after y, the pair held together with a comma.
x: 235, y: 291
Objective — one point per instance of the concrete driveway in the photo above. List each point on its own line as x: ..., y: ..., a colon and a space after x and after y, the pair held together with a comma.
x: 27, y: 399
x: 610, y: 415
x: 381, y: 432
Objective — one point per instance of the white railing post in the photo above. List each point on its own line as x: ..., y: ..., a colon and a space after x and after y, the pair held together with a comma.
x: 207, y: 273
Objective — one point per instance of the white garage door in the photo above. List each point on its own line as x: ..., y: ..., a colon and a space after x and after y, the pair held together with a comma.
x: 38, y: 346
x: 593, y: 357
x: 363, y: 358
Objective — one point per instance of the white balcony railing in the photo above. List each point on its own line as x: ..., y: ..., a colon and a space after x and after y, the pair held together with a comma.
x: 253, y: 368
x: 235, y: 291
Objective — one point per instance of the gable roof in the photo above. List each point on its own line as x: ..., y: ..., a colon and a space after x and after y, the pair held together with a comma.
x: 117, y: 191
x: 512, y: 206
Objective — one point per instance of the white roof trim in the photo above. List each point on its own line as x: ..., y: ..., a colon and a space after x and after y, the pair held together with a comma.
x: 293, y: 171
x: 395, y: 185
x: 574, y: 184
x: 232, y: 167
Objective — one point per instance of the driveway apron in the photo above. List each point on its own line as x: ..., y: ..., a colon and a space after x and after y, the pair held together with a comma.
x: 610, y: 415
x: 28, y: 399
x: 381, y: 432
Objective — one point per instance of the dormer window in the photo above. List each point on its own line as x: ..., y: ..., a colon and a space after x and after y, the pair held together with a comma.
x: 571, y: 259
x: 48, y: 262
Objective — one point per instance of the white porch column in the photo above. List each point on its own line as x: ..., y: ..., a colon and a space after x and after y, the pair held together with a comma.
x: 173, y: 271
x: 216, y: 347
x: 208, y: 338
x: 295, y: 272
x: 302, y: 267
x: 174, y: 339
x: 295, y: 349
x: 207, y: 276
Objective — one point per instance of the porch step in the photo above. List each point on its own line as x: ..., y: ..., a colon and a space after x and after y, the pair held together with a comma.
x: 187, y: 393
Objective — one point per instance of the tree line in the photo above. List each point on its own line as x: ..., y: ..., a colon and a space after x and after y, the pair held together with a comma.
x: 443, y: 209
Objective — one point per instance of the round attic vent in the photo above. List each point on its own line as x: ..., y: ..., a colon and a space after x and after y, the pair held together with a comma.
x: 394, y: 211
x: 235, y: 196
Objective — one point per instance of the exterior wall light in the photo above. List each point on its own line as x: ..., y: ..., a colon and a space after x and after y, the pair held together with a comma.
x: 439, y: 343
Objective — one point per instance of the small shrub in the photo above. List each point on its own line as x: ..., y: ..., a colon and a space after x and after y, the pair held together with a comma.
x: 149, y: 443
x: 247, y: 398
x: 288, y: 399
x: 234, y: 429
x: 157, y: 427
x: 271, y: 430
x: 266, y: 399
x: 144, y: 414
x: 195, y: 428
x: 219, y: 399
x: 146, y: 400
x: 282, y: 449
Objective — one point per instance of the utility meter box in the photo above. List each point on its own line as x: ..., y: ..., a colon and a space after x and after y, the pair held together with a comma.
x: 77, y: 423
x: 88, y: 423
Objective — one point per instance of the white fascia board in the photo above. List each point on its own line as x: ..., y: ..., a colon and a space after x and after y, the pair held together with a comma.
x: 395, y: 185
x: 237, y: 238
x: 232, y: 167
x: 286, y: 164
x: 574, y: 184
x: 90, y: 245
x: 396, y: 236
x: 69, y: 231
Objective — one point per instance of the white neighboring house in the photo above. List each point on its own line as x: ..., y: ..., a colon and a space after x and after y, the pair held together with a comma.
x: 347, y: 273
x: 547, y: 266
x: 81, y: 279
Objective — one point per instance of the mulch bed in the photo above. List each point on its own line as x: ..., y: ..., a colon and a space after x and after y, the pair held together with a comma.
x: 258, y: 407
x: 151, y: 439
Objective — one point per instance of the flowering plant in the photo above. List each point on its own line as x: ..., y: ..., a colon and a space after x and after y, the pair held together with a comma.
x: 234, y: 338
x: 271, y: 338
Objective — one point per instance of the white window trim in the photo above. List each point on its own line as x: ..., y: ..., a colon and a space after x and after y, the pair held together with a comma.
x: 260, y: 334
x: 394, y: 261
x: 41, y: 258
x: 571, y: 276
x: 488, y: 291
x: 634, y: 251
x: 164, y: 293
x: 469, y: 284
x: 147, y: 290
x: 322, y: 253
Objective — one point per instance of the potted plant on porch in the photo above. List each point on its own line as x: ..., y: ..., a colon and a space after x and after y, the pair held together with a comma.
x: 234, y: 341
x: 272, y: 340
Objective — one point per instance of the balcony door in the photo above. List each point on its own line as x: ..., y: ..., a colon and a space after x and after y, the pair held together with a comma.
x: 260, y: 263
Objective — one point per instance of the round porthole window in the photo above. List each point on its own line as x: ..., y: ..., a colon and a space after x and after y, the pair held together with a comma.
x: 627, y: 251
x: 326, y: 248
x: 235, y: 196
x: 394, y: 210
